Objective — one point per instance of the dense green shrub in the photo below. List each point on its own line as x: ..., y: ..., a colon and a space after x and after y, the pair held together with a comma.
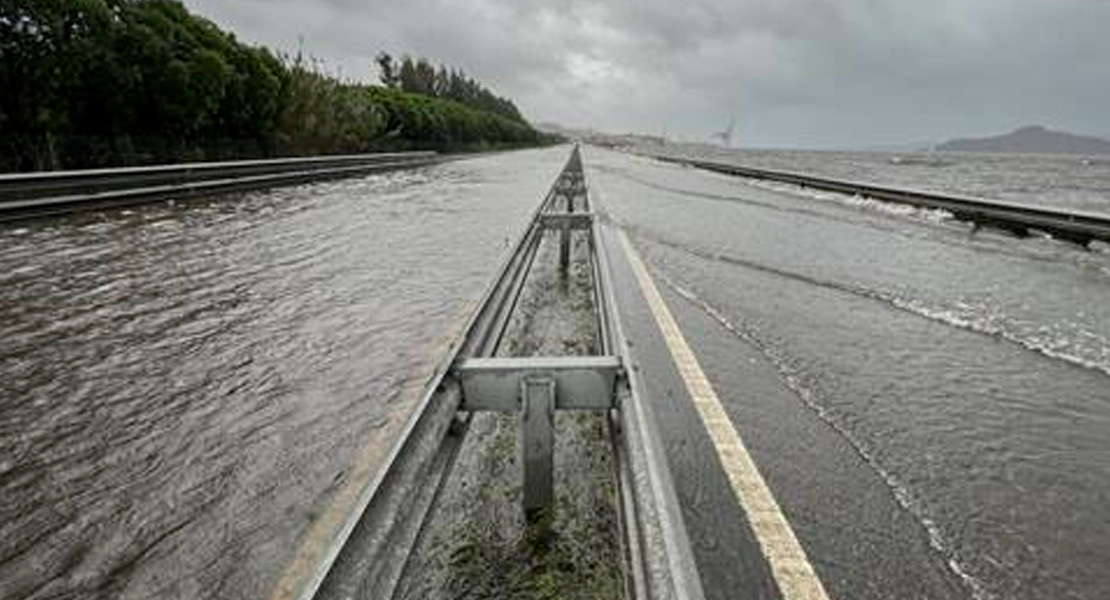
x: 111, y: 82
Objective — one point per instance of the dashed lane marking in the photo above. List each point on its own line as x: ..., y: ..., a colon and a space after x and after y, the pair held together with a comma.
x: 790, y: 567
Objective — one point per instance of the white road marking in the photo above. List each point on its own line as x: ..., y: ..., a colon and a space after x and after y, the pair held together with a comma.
x: 793, y: 573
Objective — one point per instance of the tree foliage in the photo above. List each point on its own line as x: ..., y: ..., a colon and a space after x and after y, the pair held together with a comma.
x: 420, y: 76
x: 109, y: 82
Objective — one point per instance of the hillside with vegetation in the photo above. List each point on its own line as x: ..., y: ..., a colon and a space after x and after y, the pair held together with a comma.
x: 92, y: 83
x: 1033, y: 139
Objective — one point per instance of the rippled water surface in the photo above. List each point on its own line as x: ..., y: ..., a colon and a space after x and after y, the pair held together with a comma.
x: 183, y: 384
x: 970, y: 370
x: 1075, y: 182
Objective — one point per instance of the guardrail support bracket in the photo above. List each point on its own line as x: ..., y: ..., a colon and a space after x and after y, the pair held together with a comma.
x: 537, y: 387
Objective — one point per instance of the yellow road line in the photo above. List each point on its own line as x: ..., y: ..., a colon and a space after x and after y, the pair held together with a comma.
x: 793, y: 573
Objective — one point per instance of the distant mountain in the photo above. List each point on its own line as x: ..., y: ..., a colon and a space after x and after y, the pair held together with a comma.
x: 1031, y: 139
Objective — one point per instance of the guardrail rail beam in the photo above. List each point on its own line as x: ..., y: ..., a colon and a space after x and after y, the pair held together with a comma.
x: 367, y: 555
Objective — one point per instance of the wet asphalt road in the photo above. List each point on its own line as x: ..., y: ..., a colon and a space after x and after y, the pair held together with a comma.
x: 930, y: 407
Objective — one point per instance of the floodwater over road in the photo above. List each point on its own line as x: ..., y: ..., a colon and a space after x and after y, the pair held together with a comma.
x: 1056, y: 180
x: 183, y: 386
x: 967, y: 372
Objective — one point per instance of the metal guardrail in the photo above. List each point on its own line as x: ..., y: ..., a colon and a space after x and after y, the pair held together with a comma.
x: 24, y: 195
x: 367, y: 556
x: 1077, y: 226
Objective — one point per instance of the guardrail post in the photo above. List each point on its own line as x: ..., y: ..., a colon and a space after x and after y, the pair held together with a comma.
x: 537, y: 439
x: 564, y: 241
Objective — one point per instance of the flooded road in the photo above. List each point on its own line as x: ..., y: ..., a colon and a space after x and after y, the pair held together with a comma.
x: 185, y: 385
x: 1053, y: 180
x: 886, y: 366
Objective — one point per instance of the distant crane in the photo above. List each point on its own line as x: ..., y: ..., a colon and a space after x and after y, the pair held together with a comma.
x: 726, y: 135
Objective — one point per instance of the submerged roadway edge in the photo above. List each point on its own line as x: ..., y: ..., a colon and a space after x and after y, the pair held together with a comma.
x: 792, y: 571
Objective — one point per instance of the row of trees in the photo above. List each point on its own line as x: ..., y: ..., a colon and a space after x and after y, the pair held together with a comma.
x: 420, y: 76
x: 88, y: 83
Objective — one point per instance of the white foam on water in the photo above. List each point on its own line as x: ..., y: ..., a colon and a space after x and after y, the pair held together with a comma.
x: 1066, y: 341
x: 933, y: 215
x: 1045, y: 340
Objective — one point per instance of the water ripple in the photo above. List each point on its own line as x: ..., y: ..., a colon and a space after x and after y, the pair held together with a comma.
x: 184, y: 382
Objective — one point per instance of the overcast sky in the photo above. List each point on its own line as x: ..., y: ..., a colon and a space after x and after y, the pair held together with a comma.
x: 792, y: 73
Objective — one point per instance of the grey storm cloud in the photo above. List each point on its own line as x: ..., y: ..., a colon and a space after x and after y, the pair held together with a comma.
x: 812, y: 73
